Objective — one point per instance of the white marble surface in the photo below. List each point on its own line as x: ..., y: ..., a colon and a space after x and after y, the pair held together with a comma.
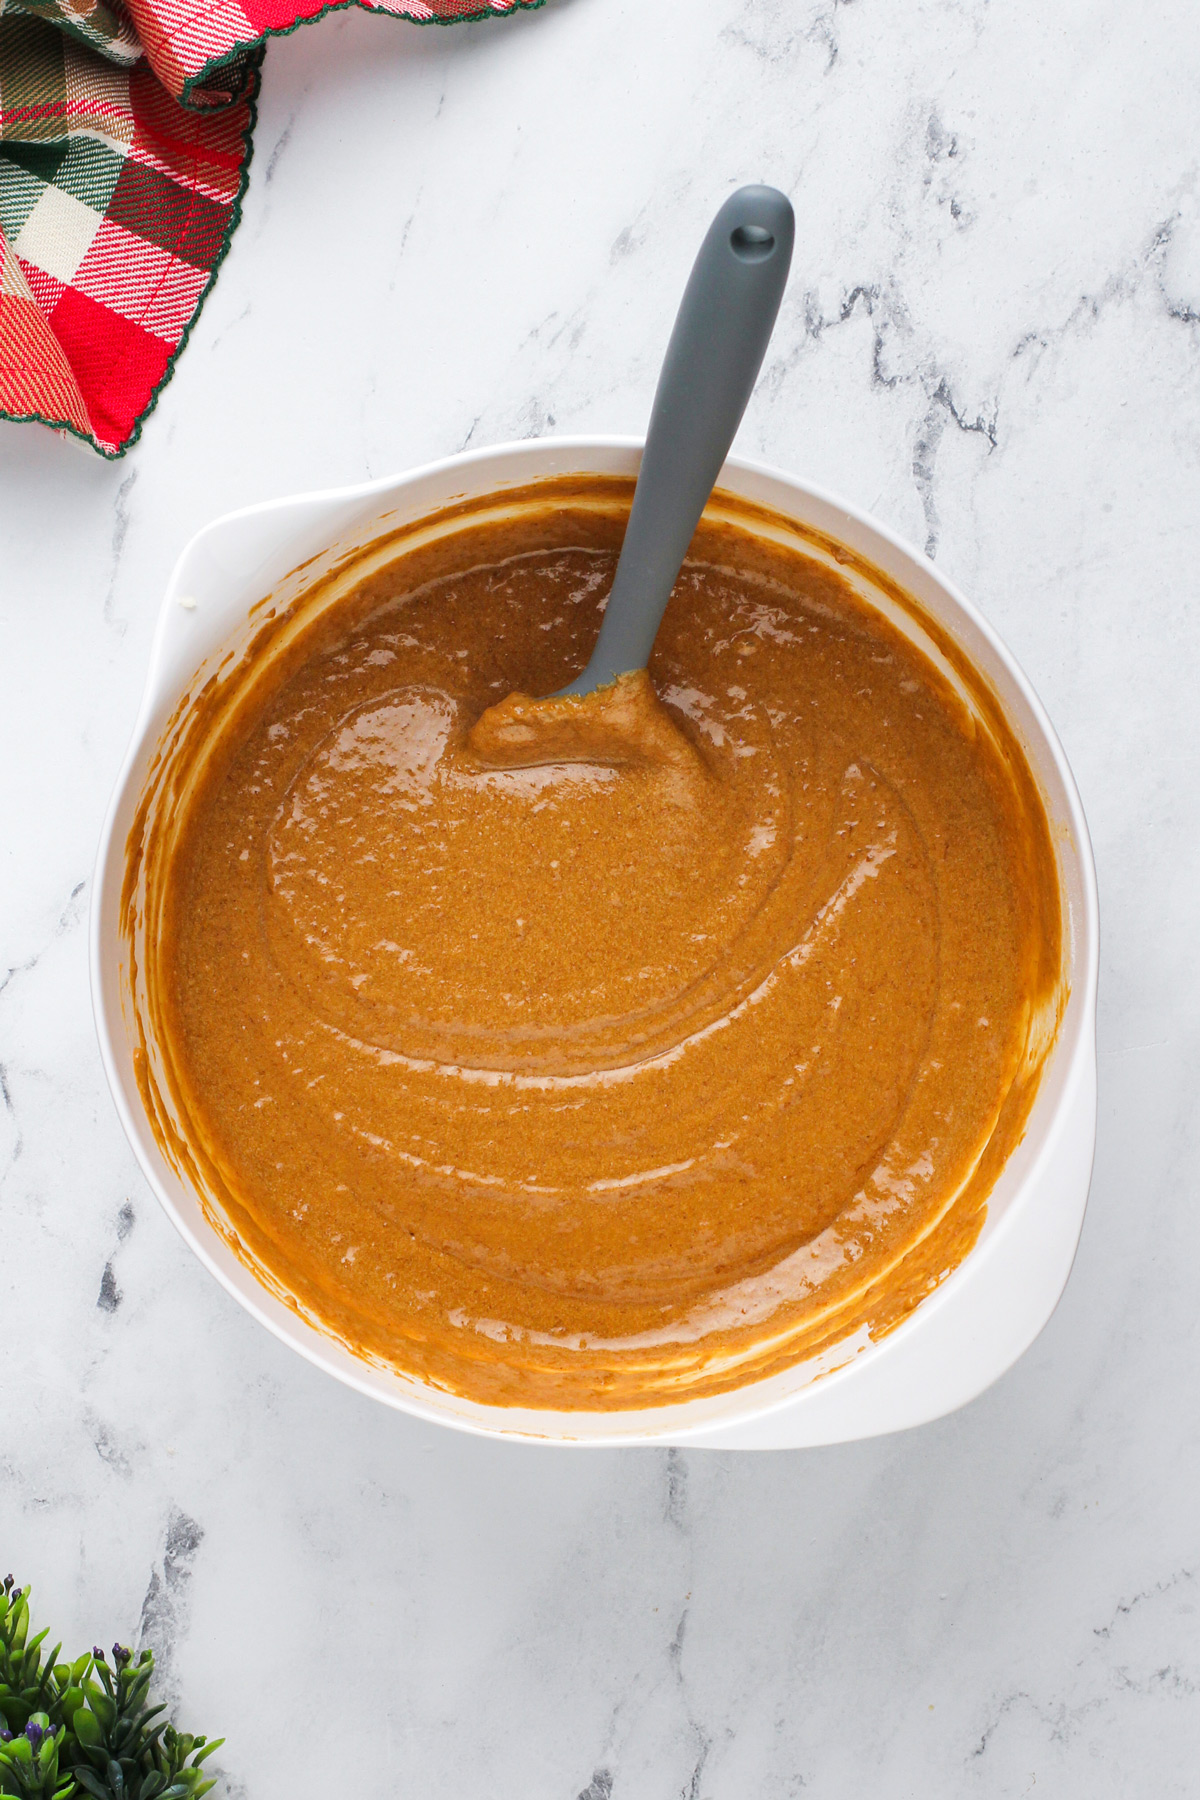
x: 992, y: 340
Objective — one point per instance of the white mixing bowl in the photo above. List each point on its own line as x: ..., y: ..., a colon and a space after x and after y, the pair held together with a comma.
x: 966, y: 1333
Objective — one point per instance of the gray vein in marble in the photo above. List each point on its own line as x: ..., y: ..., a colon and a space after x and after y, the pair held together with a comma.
x: 1119, y: 288
x: 108, y: 1448
x: 1126, y: 1607
x: 1063, y: 1720
x: 122, y: 515
x: 675, y: 1505
x: 891, y: 321
x: 69, y: 917
x: 701, y: 1740
x: 110, y: 1295
x: 280, y: 145
x: 892, y: 324
x: 942, y: 411
x: 777, y: 36
x: 165, y: 1607
x: 17, y: 1143
x: 238, y: 318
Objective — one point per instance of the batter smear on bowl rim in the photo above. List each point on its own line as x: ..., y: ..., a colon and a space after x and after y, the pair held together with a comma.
x: 610, y: 1052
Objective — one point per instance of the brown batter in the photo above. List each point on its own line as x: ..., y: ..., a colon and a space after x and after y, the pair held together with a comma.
x: 595, y: 1053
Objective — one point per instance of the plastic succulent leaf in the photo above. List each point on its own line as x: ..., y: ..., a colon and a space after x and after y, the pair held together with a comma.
x: 86, y: 1727
x: 26, y: 1676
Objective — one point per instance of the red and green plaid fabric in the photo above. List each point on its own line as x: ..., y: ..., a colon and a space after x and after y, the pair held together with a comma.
x: 125, y: 130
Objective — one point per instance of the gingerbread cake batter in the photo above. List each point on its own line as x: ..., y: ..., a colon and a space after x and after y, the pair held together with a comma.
x: 595, y: 1053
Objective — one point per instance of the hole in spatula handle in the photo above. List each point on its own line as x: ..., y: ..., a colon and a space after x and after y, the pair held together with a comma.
x: 752, y: 242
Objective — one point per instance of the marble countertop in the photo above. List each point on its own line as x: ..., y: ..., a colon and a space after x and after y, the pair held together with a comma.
x: 991, y: 340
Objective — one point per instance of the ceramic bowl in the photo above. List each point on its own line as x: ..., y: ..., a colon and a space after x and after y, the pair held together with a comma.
x: 963, y: 1335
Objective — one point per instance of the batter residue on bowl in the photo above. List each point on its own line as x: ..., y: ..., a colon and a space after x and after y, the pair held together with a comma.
x: 612, y: 1053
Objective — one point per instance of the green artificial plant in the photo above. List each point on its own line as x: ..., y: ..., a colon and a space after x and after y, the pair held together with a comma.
x: 85, y: 1727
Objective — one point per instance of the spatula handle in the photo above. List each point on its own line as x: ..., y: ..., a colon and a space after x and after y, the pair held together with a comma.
x: 716, y: 350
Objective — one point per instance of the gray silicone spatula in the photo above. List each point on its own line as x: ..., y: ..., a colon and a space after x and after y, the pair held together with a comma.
x: 721, y: 334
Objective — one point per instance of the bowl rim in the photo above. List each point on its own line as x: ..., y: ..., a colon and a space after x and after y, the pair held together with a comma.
x: 418, y: 1398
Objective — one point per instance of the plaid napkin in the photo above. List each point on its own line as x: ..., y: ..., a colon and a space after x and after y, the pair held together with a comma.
x: 125, y: 130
